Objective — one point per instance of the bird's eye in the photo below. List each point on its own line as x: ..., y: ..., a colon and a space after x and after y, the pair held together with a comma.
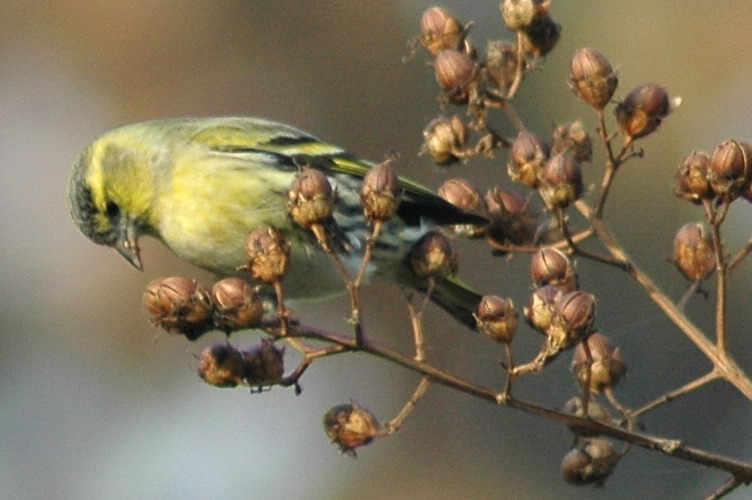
x: 113, y: 209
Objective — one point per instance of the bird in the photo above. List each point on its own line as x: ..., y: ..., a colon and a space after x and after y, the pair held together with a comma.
x: 201, y: 185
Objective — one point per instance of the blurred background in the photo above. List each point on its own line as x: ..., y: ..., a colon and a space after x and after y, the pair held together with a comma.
x: 94, y: 403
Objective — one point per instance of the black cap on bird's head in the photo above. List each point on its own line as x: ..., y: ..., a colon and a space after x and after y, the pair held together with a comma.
x: 104, y: 223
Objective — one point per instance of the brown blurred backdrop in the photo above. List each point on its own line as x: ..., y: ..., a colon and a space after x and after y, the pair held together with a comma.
x: 94, y: 403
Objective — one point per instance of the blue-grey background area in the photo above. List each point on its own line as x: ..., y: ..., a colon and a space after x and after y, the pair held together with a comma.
x: 94, y: 403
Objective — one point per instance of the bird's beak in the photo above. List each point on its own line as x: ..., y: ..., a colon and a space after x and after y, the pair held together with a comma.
x: 127, y: 246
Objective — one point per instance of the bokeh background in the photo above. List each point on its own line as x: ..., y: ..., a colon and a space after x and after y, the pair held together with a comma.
x: 94, y: 403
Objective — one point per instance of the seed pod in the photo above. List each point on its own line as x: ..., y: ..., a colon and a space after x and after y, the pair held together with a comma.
x: 350, y: 426
x: 590, y: 462
x: 729, y: 170
x: 268, y: 254
x: 179, y: 305
x: 511, y: 218
x: 501, y: 66
x: 263, y: 364
x: 592, y: 78
x: 573, y: 139
x: 551, y: 266
x: 380, y: 194
x: 528, y: 155
x: 694, y: 251
x: 440, y: 30
x: 443, y: 140
x: 595, y: 411
x: 310, y: 198
x: 221, y: 365
x: 577, y: 310
x: 642, y: 111
x: 238, y: 304
x: 432, y: 257
x: 561, y: 181
x: 541, y: 36
x: 497, y: 318
x: 540, y: 311
x: 455, y: 72
x: 692, y: 182
x: 606, y: 366
x: 519, y: 14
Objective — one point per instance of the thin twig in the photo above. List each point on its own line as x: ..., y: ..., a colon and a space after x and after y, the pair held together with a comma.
x: 394, y: 424
x: 678, y: 392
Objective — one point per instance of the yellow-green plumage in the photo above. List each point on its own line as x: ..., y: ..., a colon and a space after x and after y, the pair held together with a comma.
x: 202, y: 185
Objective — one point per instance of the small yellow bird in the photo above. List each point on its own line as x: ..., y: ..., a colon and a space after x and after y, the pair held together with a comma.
x: 202, y: 185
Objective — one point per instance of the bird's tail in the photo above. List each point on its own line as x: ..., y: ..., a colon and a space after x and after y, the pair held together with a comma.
x: 456, y: 298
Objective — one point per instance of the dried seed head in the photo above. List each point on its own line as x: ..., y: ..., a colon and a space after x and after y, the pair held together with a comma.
x: 350, y: 426
x: 574, y: 315
x: 461, y: 193
x: 380, y: 193
x: 595, y: 411
x: 497, y: 318
x: 501, y: 66
x: 238, y: 304
x: 268, y: 254
x: 590, y: 462
x: 511, y: 218
x: 643, y: 110
x: 528, y: 155
x: 541, y: 308
x: 179, y: 305
x: 310, y: 198
x: 264, y: 364
x: 455, y: 72
x: 694, y: 251
x: 561, y: 181
x: 221, y: 365
x: 692, y: 182
x: 729, y: 170
x: 592, y: 78
x: 541, y: 36
x: 550, y: 266
x: 443, y: 140
x: 432, y: 257
x: 606, y: 366
x: 573, y: 139
x: 440, y: 30
x: 519, y: 14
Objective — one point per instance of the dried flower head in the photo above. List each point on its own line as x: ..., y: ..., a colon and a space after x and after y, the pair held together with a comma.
x: 528, y: 155
x: 692, y: 178
x: 590, y: 462
x: 310, y: 198
x: 432, y: 257
x: 350, y: 426
x: 561, y: 181
x: 541, y: 308
x: 592, y: 78
x: 264, y: 364
x: 440, y: 30
x: 268, y: 254
x: 694, y: 251
x: 604, y: 364
x: 221, y: 365
x: 238, y: 304
x: 573, y: 139
x: 496, y: 318
x: 179, y: 305
x: 444, y: 140
x: 643, y: 110
x: 551, y: 266
x: 380, y: 194
x: 729, y: 170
